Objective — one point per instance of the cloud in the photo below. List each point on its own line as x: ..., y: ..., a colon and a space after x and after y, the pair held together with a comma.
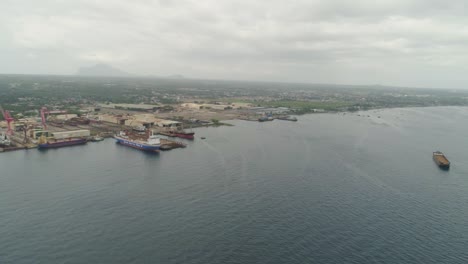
x: 298, y: 40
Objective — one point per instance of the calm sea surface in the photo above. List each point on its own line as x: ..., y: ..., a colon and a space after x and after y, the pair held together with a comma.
x: 331, y: 188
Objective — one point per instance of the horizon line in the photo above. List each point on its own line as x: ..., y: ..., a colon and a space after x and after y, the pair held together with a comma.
x: 183, y: 77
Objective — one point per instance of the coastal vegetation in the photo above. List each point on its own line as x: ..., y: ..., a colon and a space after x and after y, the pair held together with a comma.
x: 25, y: 94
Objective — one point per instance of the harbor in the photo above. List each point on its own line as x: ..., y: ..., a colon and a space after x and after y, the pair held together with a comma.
x: 307, y: 176
x: 57, y: 129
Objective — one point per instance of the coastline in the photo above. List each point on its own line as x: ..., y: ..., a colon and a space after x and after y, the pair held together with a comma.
x: 106, y: 129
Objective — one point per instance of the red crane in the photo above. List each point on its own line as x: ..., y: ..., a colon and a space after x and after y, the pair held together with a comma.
x: 44, y: 111
x: 8, y: 119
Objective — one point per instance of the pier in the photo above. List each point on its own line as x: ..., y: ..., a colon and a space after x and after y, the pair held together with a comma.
x: 167, y: 144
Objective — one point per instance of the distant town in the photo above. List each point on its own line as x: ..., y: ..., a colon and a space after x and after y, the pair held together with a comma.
x: 35, y: 106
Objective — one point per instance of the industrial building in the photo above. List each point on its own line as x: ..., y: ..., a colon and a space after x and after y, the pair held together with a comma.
x: 146, y: 120
x: 134, y: 107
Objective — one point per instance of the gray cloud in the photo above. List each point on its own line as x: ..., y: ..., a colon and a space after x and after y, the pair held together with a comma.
x: 395, y: 42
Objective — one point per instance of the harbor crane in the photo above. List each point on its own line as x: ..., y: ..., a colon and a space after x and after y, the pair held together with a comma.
x: 8, y: 119
x: 44, y: 111
x: 26, y: 128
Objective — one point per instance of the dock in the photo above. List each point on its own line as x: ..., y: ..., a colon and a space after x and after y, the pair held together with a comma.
x: 167, y: 144
x: 167, y: 134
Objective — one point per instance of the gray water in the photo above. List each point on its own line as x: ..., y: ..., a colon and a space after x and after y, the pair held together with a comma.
x: 331, y: 188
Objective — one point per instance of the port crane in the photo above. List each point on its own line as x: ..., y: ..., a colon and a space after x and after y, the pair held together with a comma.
x: 26, y: 128
x: 44, y: 111
x: 8, y: 119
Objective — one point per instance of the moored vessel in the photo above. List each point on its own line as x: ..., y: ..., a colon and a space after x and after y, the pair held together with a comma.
x: 265, y: 118
x: 287, y: 118
x: 178, y: 133
x: 4, y: 140
x: 96, y: 139
x: 58, y: 143
x: 64, y: 139
x: 152, y: 144
x: 183, y: 134
x: 441, y: 160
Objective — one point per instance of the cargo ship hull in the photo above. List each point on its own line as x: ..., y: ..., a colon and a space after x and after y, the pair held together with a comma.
x: 137, y: 145
x: 63, y: 143
x: 441, y: 160
x: 186, y: 135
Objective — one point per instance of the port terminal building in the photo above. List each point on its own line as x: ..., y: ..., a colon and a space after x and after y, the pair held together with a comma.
x: 146, y: 120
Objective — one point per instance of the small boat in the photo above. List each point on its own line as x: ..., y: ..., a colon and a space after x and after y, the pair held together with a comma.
x: 441, y: 160
x: 287, y: 118
x: 203, y: 137
x: 4, y: 140
x: 97, y: 139
x: 265, y: 118
x: 165, y: 147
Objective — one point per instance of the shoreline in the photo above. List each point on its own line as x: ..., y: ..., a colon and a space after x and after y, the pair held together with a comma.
x: 106, y: 129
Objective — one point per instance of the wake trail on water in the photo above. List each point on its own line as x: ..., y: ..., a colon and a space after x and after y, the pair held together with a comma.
x: 220, y: 156
x: 379, y: 184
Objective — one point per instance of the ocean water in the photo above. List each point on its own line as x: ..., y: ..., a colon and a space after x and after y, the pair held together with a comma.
x: 331, y: 188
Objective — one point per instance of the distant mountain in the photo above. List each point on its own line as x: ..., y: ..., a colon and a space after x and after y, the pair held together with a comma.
x: 101, y: 70
x: 173, y: 76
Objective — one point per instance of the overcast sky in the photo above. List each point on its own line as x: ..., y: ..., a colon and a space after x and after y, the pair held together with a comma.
x: 391, y: 42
